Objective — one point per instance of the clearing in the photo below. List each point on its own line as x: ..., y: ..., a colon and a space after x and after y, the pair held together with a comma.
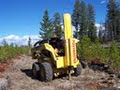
x: 20, y: 76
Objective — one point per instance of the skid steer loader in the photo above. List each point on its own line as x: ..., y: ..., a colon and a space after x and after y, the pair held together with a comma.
x: 56, y: 56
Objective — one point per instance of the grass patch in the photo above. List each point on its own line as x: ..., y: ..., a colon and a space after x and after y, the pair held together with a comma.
x: 10, y: 51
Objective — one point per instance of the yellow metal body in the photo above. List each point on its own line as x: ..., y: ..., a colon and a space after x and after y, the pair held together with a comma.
x: 70, y: 58
x: 60, y: 63
x: 70, y: 43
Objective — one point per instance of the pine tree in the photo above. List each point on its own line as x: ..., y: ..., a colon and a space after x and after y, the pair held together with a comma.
x: 118, y: 25
x: 100, y: 33
x: 83, y: 19
x: 4, y: 42
x: 112, y: 19
x: 29, y: 42
x: 57, y: 24
x: 76, y: 17
x: 46, y: 26
x: 91, y: 22
x: 108, y: 37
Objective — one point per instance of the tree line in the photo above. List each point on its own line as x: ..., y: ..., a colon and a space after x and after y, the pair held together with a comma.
x: 50, y: 26
x: 112, y: 23
x: 83, y: 19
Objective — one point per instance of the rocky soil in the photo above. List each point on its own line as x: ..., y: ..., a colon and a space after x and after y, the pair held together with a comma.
x: 20, y: 77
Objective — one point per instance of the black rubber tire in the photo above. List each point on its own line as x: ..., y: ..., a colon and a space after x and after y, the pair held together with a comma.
x: 48, y: 72
x: 78, y: 70
x: 35, y: 70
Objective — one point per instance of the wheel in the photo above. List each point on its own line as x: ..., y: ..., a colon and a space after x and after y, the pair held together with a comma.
x: 78, y: 70
x: 46, y: 72
x: 35, y: 70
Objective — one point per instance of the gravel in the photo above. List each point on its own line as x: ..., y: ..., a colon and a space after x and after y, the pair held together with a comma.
x: 20, y: 78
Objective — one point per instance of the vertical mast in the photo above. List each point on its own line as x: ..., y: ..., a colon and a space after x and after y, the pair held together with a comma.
x: 68, y: 33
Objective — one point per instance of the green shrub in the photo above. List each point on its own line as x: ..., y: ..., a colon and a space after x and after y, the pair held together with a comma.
x: 83, y: 48
x: 98, y: 52
x: 88, y: 50
x: 9, y: 51
x: 114, y: 55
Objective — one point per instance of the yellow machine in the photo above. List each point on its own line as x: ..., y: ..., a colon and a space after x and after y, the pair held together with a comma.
x: 56, y: 56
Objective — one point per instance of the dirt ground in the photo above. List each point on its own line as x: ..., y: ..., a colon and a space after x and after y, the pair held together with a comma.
x: 20, y: 76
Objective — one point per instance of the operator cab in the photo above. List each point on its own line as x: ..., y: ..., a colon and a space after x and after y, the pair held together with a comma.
x: 58, y: 45
x: 55, y: 42
x: 38, y: 43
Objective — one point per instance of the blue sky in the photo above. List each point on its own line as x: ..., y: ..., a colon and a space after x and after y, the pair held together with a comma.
x: 22, y: 17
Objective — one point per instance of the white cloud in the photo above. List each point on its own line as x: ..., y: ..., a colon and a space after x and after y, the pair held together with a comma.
x: 20, y: 40
x: 103, y: 1
x: 23, y: 40
x: 11, y: 37
x: 98, y: 27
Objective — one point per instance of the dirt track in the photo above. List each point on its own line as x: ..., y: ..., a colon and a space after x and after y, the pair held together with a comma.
x: 21, y: 79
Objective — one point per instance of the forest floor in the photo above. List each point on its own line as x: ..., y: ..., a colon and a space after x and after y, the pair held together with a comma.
x: 20, y: 78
